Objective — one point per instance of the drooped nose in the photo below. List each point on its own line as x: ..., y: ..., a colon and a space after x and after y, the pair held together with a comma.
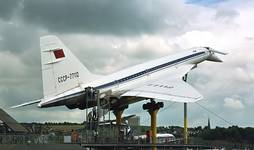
x: 214, y: 58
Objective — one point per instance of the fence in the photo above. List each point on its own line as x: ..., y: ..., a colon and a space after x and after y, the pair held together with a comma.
x: 30, y: 138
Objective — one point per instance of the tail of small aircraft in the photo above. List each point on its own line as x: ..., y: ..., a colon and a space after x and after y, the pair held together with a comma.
x: 61, y: 70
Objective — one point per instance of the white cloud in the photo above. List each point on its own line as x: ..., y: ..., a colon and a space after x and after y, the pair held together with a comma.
x: 195, y: 38
x: 233, y: 103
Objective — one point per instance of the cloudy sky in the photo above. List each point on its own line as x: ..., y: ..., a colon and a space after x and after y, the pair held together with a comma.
x: 108, y: 35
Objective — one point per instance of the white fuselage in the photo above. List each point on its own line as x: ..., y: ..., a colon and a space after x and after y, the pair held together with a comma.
x: 130, y: 78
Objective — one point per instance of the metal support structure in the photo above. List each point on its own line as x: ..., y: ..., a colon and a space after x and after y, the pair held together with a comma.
x: 153, y: 115
x: 98, y: 110
x: 87, y: 125
x: 109, y: 117
x: 153, y: 108
x: 185, y: 130
x: 118, y: 114
x: 92, y: 123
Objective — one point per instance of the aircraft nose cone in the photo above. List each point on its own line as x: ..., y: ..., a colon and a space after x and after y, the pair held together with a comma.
x: 214, y: 58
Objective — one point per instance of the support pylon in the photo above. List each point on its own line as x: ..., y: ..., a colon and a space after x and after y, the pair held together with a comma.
x: 185, y: 125
x: 153, y: 108
x: 118, y: 114
x: 185, y: 130
x: 153, y: 115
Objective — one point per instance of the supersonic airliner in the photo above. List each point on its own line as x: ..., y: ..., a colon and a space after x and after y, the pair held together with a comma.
x: 65, y: 78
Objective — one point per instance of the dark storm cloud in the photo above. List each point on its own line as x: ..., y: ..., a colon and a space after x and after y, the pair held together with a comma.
x: 7, y: 8
x: 15, y: 94
x: 89, y: 16
x: 18, y: 38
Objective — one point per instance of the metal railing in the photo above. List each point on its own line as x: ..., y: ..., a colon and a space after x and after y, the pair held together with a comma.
x: 30, y: 139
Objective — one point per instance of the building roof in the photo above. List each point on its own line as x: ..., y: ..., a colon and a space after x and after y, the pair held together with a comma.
x: 11, y: 122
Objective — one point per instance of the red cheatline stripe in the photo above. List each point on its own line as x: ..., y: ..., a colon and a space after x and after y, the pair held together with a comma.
x: 59, y: 53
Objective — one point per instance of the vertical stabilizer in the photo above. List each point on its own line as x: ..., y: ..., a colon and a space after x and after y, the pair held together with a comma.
x: 61, y: 70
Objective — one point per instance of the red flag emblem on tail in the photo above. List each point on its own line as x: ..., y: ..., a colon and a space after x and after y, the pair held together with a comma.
x: 59, y: 53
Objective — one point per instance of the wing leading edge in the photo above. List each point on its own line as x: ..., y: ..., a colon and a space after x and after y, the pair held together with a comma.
x: 168, y: 88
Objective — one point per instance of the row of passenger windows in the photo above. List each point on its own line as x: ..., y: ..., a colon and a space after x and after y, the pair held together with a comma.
x: 148, y: 71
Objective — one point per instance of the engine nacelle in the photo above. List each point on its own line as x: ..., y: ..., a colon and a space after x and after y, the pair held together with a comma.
x: 86, y: 100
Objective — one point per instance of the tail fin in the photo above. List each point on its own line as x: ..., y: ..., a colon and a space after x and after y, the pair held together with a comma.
x: 61, y: 70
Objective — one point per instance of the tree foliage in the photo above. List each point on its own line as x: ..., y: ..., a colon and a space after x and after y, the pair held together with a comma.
x: 232, y: 134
